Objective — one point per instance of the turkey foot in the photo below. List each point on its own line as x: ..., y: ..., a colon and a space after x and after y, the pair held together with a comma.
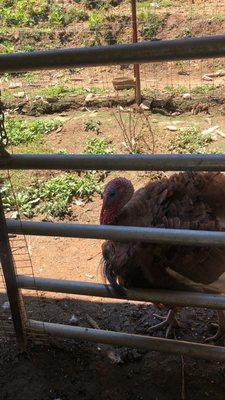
x: 220, y: 334
x: 170, y: 321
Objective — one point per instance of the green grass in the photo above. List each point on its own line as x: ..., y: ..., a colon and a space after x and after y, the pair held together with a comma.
x: 190, y: 140
x: 204, y: 88
x: 97, y: 146
x: 65, y: 91
x: 22, y: 131
x: 176, y: 89
x: 52, y: 197
x: 219, y: 16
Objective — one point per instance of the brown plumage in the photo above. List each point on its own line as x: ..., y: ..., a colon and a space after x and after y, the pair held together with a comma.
x: 183, y: 201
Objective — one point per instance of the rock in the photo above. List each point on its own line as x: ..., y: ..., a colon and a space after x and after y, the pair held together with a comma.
x: 122, y: 83
x: 172, y: 128
x: 210, y: 130
x: 207, y: 78
x: 15, y: 215
x: 90, y: 276
x: 216, y: 74
x: 219, y: 132
x: 89, y: 97
x: 144, y: 106
x: 6, y: 305
x: 73, y: 319
x: 79, y: 202
x: 186, y: 96
x: 19, y: 95
x: 14, y: 85
x: 146, y: 103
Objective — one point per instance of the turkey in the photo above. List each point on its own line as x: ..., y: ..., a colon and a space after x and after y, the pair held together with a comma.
x: 183, y: 201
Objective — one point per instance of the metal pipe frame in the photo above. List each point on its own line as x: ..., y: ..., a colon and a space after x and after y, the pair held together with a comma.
x: 182, y: 237
x: 135, y: 53
x: 13, y: 292
x: 117, y: 162
x: 195, y: 350
x: 179, y: 298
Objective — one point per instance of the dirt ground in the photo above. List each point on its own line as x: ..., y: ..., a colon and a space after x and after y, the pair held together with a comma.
x: 70, y: 370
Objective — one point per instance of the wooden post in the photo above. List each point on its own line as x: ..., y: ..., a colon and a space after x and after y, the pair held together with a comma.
x: 14, y: 294
x: 135, y: 40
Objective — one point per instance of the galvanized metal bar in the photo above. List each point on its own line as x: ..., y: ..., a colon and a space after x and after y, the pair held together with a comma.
x: 14, y: 295
x: 195, y: 350
x: 184, y: 237
x: 192, y: 299
x: 162, y: 50
x: 116, y: 162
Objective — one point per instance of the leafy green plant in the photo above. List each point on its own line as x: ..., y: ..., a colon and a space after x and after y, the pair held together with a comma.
x: 190, y: 140
x: 53, y: 196
x: 56, y: 15
x: 97, y: 146
x: 57, y: 192
x: 23, y: 131
x: 6, y: 47
x: 93, y: 126
x: 24, y: 201
x: 23, y: 12
x: 31, y: 12
x: 95, y: 20
x: 151, y: 23
x: 93, y: 4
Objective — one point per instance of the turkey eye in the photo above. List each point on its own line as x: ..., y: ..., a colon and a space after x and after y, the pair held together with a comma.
x: 112, y: 194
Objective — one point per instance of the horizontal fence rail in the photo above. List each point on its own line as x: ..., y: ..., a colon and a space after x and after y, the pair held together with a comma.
x: 151, y: 51
x: 185, y: 237
x: 192, y: 299
x: 129, y: 340
x: 117, y: 162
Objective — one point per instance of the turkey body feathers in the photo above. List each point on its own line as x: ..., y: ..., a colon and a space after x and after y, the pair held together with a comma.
x: 183, y: 201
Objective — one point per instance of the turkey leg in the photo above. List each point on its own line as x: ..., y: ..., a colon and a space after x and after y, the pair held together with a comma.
x: 170, y: 322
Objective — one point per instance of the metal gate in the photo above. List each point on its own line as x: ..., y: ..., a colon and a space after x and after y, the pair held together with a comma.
x: 192, y: 48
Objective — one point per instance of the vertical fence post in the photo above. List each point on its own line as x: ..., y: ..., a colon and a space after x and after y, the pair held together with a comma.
x: 135, y: 39
x: 14, y: 294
